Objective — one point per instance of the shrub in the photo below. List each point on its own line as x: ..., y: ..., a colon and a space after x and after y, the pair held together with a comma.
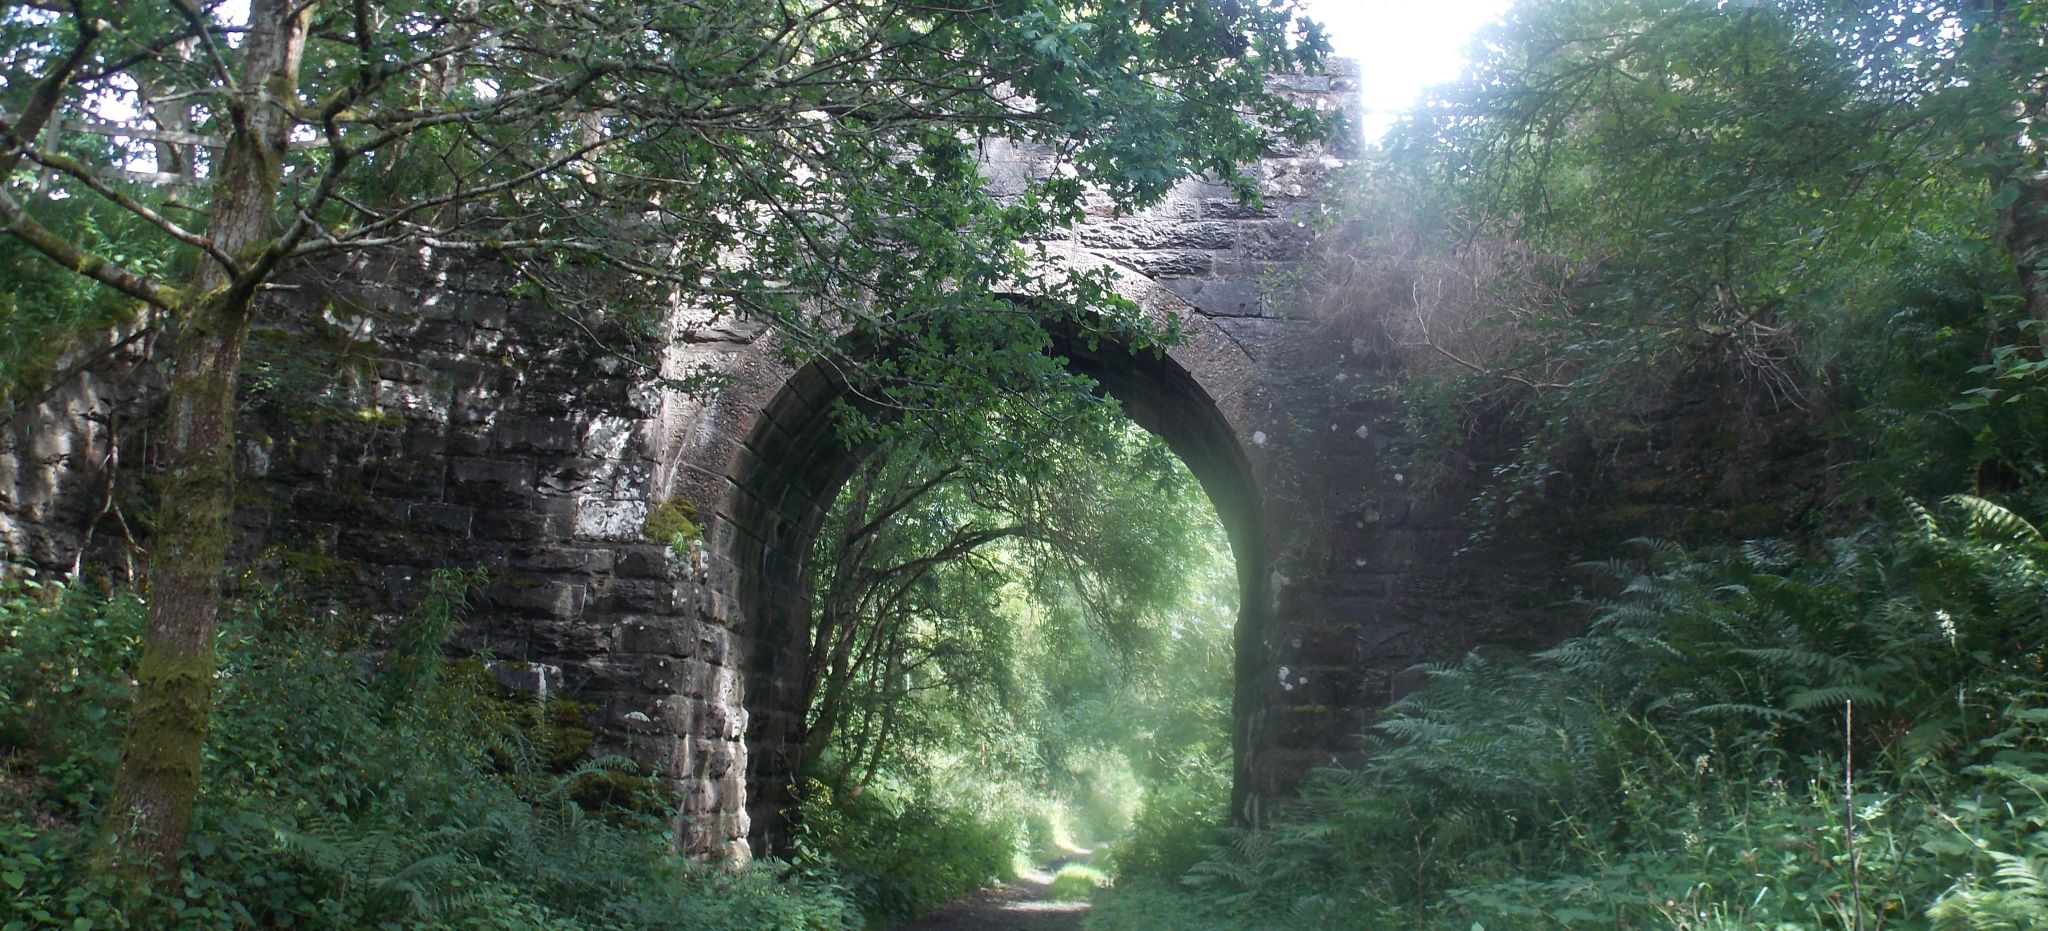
x: 338, y: 795
x: 1757, y: 736
x: 899, y: 857
x: 1177, y: 824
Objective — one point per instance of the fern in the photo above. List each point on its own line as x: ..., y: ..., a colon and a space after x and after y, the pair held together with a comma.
x: 1681, y: 764
x: 1985, y: 517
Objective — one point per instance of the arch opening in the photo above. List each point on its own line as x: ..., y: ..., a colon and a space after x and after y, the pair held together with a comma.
x: 792, y: 466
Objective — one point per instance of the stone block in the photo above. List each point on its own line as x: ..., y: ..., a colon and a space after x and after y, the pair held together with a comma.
x: 1168, y: 264
x: 1228, y: 208
x: 690, y: 678
x: 537, y: 435
x: 1220, y: 296
x: 1155, y: 232
x: 572, y: 475
x: 716, y: 759
x: 511, y: 526
x: 526, y: 519
x: 715, y: 607
x: 667, y: 676
x: 714, y: 644
x: 646, y: 561
x: 496, y: 476
x: 535, y: 678
x: 638, y: 596
x: 640, y: 721
x: 544, y: 598
x: 724, y: 330
x: 702, y: 835
x: 722, y: 720
x: 669, y: 636
x: 614, y: 520
x: 1285, y: 240
x: 441, y: 518
x: 447, y: 333
x: 609, y: 437
x: 389, y: 547
x: 576, y: 637
x: 550, y: 558
x: 399, y: 477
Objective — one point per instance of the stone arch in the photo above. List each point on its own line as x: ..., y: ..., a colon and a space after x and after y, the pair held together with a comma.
x: 766, y: 473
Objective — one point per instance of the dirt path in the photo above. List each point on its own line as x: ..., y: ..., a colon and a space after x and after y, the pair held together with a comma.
x: 1022, y: 905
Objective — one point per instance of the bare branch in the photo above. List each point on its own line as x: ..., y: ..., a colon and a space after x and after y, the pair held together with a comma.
x: 201, y: 27
x: 164, y: 135
x: 94, y: 183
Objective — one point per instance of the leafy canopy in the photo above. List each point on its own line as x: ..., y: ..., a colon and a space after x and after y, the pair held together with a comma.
x: 812, y: 164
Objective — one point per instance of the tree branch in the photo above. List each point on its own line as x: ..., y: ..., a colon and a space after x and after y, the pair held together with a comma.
x: 59, y: 250
x: 92, y: 182
x: 42, y: 102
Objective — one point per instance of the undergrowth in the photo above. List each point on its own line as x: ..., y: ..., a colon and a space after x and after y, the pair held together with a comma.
x: 898, y: 854
x: 1849, y: 736
x: 345, y: 789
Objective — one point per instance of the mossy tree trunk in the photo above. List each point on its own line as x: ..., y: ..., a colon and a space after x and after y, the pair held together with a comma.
x: 2025, y: 224
x: 2024, y: 220
x: 2007, y: 44
x: 158, y: 778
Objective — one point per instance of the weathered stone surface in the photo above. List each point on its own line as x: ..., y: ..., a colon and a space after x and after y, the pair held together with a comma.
x: 1155, y: 232
x: 538, y: 678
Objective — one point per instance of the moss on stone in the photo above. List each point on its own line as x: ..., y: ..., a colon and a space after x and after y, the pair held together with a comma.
x: 673, y: 522
x: 614, y: 789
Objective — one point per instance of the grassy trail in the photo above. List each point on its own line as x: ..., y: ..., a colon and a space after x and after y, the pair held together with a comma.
x: 1023, y: 904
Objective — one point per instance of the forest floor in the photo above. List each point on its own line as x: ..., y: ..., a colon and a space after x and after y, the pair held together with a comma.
x: 1023, y: 904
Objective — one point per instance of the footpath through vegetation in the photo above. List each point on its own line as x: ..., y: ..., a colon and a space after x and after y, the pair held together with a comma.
x: 1027, y: 903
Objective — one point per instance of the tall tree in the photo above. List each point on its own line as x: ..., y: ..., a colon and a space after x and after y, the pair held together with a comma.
x: 807, y: 162
x: 1671, y: 186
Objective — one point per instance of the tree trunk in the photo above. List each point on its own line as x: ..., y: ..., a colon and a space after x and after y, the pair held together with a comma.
x: 2024, y: 221
x: 2006, y: 39
x: 2025, y: 225
x: 158, y: 777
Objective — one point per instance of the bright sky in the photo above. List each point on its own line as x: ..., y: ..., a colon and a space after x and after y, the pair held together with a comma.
x: 1402, y: 46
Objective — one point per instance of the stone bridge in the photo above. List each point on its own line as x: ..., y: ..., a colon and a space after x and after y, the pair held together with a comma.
x: 483, y: 444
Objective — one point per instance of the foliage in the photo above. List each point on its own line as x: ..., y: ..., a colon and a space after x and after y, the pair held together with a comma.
x: 1013, y: 642
x: 1075, y: 881
x: 340, y: 794
x: 1180, y: 820
x: 751, y: 156
x: 674, y: 522
x: 53, y: 318
x: 1822, y: 206
x: 1805, y: 203
x: 897, y: 857
x: 803, y: 163
x: 1758, y: 736
x: 1058, y: 539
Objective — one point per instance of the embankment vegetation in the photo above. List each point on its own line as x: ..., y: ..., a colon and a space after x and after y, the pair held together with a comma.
x: 1828, y: 213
